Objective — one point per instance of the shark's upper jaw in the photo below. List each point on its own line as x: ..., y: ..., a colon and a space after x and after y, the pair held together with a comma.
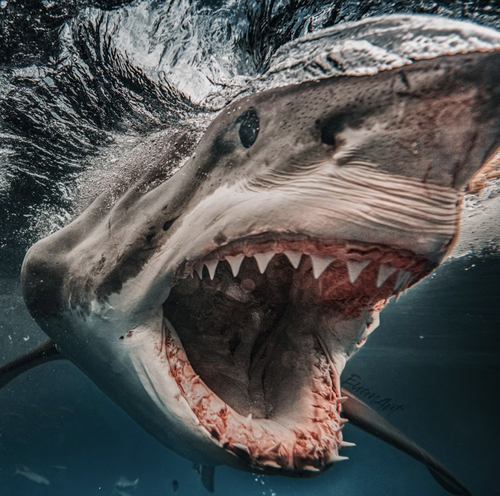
x: 257, y: 334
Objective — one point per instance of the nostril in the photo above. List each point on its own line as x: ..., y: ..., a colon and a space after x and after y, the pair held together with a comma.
x: 331, y: 128
x: 168, y: 224
x: 328, y: 136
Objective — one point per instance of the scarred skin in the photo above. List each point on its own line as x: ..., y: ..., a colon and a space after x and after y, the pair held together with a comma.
x: 353, y: 169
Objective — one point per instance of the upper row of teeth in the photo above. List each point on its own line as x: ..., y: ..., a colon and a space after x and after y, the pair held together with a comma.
x: 319, y: 265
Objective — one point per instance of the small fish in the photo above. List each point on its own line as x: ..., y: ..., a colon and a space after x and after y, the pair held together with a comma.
x: 59, y: 467
x: 123, y: 483
x: 32, y: 476
x: 175, y: 485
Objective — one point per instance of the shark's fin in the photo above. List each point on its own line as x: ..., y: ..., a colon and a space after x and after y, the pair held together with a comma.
x: 207, y: 477
x: 366, y: 418
x: 42, y: 353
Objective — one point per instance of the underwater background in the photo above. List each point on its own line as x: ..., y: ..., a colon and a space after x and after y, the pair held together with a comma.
x: 82, y: 82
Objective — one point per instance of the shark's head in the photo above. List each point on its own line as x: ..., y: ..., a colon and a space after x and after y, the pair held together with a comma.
x: 220, y: 306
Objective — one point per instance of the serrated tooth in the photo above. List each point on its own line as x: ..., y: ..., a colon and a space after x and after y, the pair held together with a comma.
x: 347, y: 444
x: 294, y: 257
x: 355, y: 267
x: 199, y: 269
x: 276, y: 447
x: 310, y: 468
x: 337, y: 458
x: 263, y: 259
x: 241, y: 447
x: 319, y: 264
x: 384, y: 272
x: 272, y: 463
x: 248, y: 421
x: 402, y: 278
x: 235, y: 263
x: 211, y: 266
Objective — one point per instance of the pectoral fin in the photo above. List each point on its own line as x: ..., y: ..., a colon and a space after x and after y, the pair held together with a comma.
x: 207, y: 476
x: 40, y: 354
x: 367, y: 419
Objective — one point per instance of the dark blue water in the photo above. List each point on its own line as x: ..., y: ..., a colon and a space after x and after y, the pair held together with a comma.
x: 79, y: 80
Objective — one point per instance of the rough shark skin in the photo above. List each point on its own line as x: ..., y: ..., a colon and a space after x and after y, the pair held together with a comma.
x: 218, y: 305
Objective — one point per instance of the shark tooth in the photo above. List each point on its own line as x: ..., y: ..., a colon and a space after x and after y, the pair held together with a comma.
x: 355, y: 267
x: 272, y: 463
x: 276, y: 447
x: 347, y: 444
x: 310, y: 468
x: 211, y: 266
x: 199, y: 269
x: 402, y: 278
x: 319, y: 264
x: 334, y: 457
x: 384, y: 272
x: 294, y: 257
x: 235, y: 263
x: 263, y: 260
x: 342, y: 399
x: 248, y: 421
x: 241, y: 447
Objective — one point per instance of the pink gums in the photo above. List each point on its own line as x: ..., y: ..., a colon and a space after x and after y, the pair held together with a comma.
x: 265, y: 444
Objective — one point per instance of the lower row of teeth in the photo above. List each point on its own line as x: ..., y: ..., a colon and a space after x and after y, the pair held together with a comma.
x: 241, y: 435
x: 319, y: 265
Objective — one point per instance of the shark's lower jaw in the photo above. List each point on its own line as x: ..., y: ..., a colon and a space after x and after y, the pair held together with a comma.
x: 266, y: 444
x: 257, y: 334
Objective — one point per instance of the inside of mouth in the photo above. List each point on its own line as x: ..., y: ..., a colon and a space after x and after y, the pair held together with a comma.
x: 261, y: 328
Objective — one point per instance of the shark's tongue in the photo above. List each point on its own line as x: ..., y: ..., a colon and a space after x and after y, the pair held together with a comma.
x: 291, y: 368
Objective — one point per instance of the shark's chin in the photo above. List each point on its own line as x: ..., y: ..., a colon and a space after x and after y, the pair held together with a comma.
x: 258, y: 332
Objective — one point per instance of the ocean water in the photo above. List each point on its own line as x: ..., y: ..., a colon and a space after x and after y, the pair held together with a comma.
x: 82, y: 82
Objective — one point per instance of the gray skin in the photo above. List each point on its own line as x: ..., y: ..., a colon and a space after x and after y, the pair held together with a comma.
x: 382, y: 160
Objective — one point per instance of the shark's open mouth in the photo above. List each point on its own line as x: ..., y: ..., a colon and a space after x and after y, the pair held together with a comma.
x: 254, y: 335
x: 203, y: 290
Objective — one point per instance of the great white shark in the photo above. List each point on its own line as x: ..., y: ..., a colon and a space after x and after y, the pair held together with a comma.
x: 218, y: 298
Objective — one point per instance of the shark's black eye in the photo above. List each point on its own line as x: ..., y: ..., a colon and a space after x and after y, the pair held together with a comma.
x: 249, y: 127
